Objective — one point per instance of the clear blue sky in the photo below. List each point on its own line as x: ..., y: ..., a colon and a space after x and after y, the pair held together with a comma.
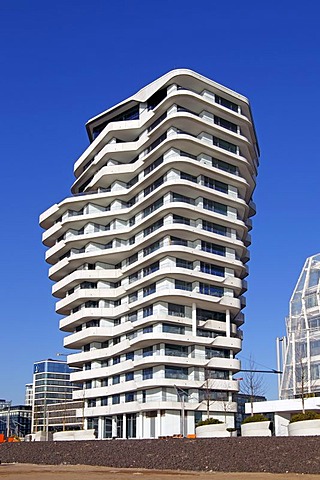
x: 65, y: 61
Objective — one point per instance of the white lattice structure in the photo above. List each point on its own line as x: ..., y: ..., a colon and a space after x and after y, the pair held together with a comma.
x: 149, y: 256
x: 301, y: 365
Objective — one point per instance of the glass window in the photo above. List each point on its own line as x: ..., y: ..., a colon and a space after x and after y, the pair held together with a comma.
x: 213, y: 395
x: 230, y: 147
x: 156, y: 122
x: 179, y: 219
x: 152, y: 228
x: 150, y: 269
x: 129, y: 355
x: 201, y: 332
x: 153, y: 186
x: 131, y: 114
x: 129, y: 376
x: 154, y: 206
x: 213, y: 248
x: 216, y: 353
x: 226, y: 103
x: 115, y: 379
x: 147, y: 352
x: 172, y: 328
x: 211, y: 269
x: 178, y: 241
x: 92, y: 304
x: 209, y: 315
x: 129, y: 397
x: 181, y: 263
x: 225, y: 124
x: 176, y: 372
x: 132, y: 335
x: 215, y: 184
x: 88, y: 285
x: 176, y: 310
x: 149, y: 289
x: 176, y: 197
x: 226, y: 167
x: 133, y: 316
x: 156, y: 98
x: 132, y: 259
x: 212, y: 290
x: 182, y: 285
x: 148, y: 329
x: 153, y: 165
x: 187, y: 176
x: 133, y: 297
x: 115, y: 399
x: 215, y: 207
x: 147, y: 373
x: 147, y: 311
x: 176, y: 350
x: 217, y: 374
x: 214, y: 228
x: 116, y: 360
x: 151, y: 248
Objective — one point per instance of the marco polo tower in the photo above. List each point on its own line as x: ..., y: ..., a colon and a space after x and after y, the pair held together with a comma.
x: 149, y: 256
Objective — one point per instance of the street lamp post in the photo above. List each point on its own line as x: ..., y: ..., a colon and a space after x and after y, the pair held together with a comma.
x: 181, y: 395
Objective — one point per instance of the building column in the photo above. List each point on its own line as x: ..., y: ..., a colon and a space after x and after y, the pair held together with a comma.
x: 124, y: 426
x: 100, y: 427
x: 139, y: 425
x: 158, y: 424
x: 114, y: 426
x: 228, y: 324
x: 194, y: 319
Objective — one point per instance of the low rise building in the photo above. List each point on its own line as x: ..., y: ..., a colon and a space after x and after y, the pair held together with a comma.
x: 15, y: 419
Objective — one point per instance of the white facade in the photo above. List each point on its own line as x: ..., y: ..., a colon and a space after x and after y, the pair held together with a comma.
x: 29, y: 394
x: 283, y: 410
x: 149, y: 257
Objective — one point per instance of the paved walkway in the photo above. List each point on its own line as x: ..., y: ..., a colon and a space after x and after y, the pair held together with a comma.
x: 84, y: 472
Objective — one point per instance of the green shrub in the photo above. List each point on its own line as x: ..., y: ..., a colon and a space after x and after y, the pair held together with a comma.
x: 229, y: 429
x: 209, y: 421
x: 299, y: 417
x: 257, y: 417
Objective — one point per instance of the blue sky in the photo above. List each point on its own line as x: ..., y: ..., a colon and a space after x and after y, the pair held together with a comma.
x: 65, y: 61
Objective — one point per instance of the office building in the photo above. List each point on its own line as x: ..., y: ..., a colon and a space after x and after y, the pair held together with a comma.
x: 51, y: 384
x: 149, y: 257
x: 66, y: 415
x: 29, y: 394
x: 14, y: 419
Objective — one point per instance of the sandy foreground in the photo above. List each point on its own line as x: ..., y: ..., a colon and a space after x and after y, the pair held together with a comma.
x: 17, y: 471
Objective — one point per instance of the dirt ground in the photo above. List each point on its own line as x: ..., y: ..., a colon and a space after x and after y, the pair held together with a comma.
x: 83, y: 472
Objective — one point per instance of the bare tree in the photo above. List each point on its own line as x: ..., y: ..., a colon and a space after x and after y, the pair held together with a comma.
x: 303, y: 382
x: 252, y: 383
x: 208, y: 391
x: 207, y: 394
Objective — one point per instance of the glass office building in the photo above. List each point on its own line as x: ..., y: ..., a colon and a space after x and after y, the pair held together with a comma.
x: 51, y: 384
